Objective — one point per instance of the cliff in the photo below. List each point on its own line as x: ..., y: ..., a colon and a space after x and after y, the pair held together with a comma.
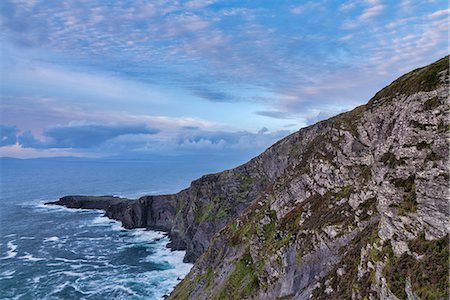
x: 354, y: 207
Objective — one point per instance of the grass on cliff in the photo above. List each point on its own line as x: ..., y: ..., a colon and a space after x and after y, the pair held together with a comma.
x: 347, y: 284
x: 390, y: 160
x: 242, y: 282
x: 420, y: 80
x: 409, y: 203
x: 429, y: 274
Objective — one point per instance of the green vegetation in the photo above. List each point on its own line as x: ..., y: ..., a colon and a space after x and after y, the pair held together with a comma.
x: 221, y: 213
x: 366, y: 173
x: 409, y: 203
x: 419, y: 125
x: 432, y: 156
x: 322, y: 215
x: 347, y: 284
x: 429, y: 274
x: 368, y: 205
x: 420, y: 80
x: 203, y: 212
x: 242, y: 282
x: 349, y: 120
x: 233, y: 227
x: 431, y: 104
x: 246, y: 182
x: 241, y: 232
x: 208, y: 277
x: 210, y: 211
x: 423, y: 145
x: 344, y: 192
x: 390, y: 160
x: 442, y: 127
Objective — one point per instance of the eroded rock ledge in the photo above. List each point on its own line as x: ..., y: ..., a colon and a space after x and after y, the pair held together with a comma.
x: 152, y: 212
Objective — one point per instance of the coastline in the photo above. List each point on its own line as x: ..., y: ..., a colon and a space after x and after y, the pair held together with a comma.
x: 174, y: 257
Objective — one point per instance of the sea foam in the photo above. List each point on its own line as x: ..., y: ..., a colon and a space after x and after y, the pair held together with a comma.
x: 11, y: 253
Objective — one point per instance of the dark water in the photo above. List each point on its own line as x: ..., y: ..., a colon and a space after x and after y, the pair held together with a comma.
x: 58, y: 253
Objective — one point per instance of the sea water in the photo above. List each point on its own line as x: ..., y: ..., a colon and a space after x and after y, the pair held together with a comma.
x: 51, y: 252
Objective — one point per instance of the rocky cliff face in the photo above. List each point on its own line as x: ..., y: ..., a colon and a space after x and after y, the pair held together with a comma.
x: 194, y: 215
x: 354, y: 207
x: 360, y: 211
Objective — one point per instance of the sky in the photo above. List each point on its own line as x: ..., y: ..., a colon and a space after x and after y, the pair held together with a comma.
x: 130, y: 78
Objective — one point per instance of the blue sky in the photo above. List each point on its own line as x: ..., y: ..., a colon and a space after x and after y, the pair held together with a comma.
x: 98, y: 78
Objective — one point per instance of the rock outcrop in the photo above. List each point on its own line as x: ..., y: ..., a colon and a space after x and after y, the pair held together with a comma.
x: 354, y: 207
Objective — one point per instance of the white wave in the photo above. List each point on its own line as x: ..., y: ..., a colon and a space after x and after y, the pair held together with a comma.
x: 55, y: 207
x: 163, y: 282
x: 36, y: 279
x: 102, y: 220
x: 11, y: 253
x: 30, y: 257
x: 7, y: 274
x: 76, y: 266
x: 51, y: 239
x: 74, y: 274
x: 71, y: 260
x: 143, y: 235
x: 105, y: 221
x: 137, y: 195
x: 54, y: 264
x: 10, y: 235
x: 60, y: 287
x: 159, y: 282
x: 108, y: 288
x: 166, y: 280
x: 94, y: 238
x: 27, y: 238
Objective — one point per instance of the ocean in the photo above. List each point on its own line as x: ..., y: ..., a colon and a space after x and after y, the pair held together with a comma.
x: 50, y: 252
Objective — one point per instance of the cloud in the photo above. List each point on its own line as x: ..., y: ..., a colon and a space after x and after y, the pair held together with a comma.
x: 375, y: 8
x: 213, y: 95
x: 348, y: 5
x: 438, y: 14
x: 196, y: 4
x: 274, y: 114
x: 300, y: 9
x: 8, y: 135
x: 320, y: 116
x: 223, y: 140
x: 107, y: 140
x: 43, y: 112
x: 150, y: 63
x: 81, y: 135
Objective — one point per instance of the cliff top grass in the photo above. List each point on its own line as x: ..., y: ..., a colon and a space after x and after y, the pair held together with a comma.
x: 419, y: 80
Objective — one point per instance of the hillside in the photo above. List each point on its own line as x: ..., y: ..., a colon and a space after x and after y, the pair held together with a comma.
x: 354, y: 207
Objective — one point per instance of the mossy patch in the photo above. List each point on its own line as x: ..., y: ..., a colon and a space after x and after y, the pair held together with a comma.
x: 390, y: 160
x: 423, y: 145
x: 429, y: 274
x: 323, y: 215
x: 242, y: 282
x: 347, y: 284
x: 207, y: 278
x: 419, y: 125
x: 409, y: 203
x: 420, y: 80
x: 433, y: 156
x: 349, y: 120
x: 211, y: 211
x: 432, y: 104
